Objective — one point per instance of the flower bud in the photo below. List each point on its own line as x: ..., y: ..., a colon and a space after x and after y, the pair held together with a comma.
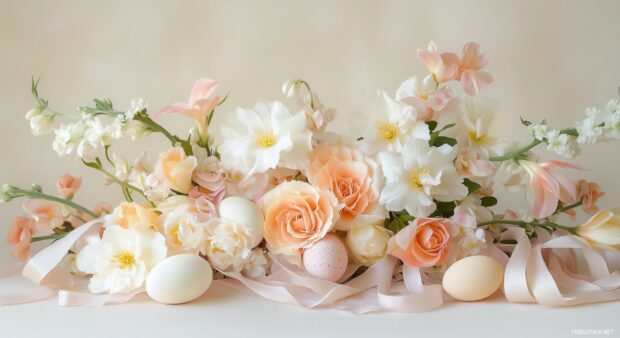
x: 291, y: 88
x: 368, y: 243
x: 602, y: 230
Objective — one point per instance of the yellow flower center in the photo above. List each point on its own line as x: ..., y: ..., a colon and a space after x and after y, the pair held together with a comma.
x: 415, y: 180
x: 174, y: 233
x: 125, y: 259
x: 475, y: 138
x: 266, y: 140
x: 389, y: 131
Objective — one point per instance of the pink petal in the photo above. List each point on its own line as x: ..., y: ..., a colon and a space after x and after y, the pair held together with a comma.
x: 173, y: 108
x: 431, y: 60
x: 546, y: 194
x: 472, y: 81
x: 202, y: 89
x: 473, y: 57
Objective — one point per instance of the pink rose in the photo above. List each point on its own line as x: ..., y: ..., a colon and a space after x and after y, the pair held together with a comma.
x: 424, y: 242
x: 353, y: 178
x: 212, y: 180
x: 67, y: 185
x: 20, y: 235
x: 297, y: 215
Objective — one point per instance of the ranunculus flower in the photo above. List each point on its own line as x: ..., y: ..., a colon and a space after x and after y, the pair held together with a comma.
x: 20, y: 235
x: 297, y: 215
x: 133, y: 216
x: 176, y: 169
x: 211, y: 178
x: 354, y: 179
x: 368, y: 243
x: 422, y: 243
x: 589, y: 193
x: 602, y: 229
x: 227, y: 244
x: 183, y: 225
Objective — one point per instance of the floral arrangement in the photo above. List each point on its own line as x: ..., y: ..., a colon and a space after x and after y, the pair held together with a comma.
x: 271, y: 202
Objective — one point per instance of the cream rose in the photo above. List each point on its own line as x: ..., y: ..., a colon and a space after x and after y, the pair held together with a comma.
x: 603, y: 229
x: 354, y: 179
x: 176, y: 169
x: 297, y: 215
x: 368, y: 243
x: 133, y: 216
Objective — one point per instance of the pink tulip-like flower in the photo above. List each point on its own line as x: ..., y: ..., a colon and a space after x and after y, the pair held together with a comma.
x: 46, y: 214
x: 549, y: 187
x: 471, y: 164
x: 200, y: 104
x: 444, y: 66
x: 20, y: 235
x: 448, y: 66
x: 470, y: 72
x: 589, y: 193
x: 422, y: 243
x: 67, y: 185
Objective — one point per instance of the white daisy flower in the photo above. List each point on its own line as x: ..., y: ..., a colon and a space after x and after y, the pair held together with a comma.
x: 419, y: 175
x: 255, y: 140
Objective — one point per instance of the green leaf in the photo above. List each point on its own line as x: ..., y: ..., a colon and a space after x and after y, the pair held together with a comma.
x: 447, y: 126
x: 525, y: 122
x: 471, y: 186
x: 441, y: 140
x: 488, y: 201
x: 444, y: 209
x: 432, y: 125
x: 570, y: 131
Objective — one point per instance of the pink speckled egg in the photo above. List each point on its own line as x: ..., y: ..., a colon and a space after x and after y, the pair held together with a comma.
x: 326, y: 259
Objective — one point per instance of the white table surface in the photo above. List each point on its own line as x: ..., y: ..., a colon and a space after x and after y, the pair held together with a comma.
x: 223, y: 313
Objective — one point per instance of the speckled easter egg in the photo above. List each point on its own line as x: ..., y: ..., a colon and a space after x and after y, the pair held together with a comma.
x: 179, y: 279
x: 473, y: 278
x: 326, y: 259
x: 246, y: 213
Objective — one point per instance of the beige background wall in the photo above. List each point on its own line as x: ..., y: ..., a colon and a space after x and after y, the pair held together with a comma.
x: 550, y: 59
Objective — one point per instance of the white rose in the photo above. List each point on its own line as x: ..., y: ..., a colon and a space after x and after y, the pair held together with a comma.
x: 227, y: 244
x: 368, y: 243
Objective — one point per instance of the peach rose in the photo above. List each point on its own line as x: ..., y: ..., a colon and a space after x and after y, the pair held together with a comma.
x: 20, y: 235
x: 176, y: 169
x: 67, y: 185
x: 132, y: 215
x: 424, y: 242
x: 353, y: 178
x: 297, y: 215
x: 589, y: 193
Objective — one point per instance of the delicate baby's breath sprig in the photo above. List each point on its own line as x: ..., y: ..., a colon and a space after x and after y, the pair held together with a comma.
x: 10, y: 192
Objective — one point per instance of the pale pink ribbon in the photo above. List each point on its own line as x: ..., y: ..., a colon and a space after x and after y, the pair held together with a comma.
x: 535, y: 272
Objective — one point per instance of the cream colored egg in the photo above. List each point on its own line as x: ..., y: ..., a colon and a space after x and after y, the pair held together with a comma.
x: 246, y: 213
x: 326, y: 259
x: 473, y: 278
x: 179, y: 279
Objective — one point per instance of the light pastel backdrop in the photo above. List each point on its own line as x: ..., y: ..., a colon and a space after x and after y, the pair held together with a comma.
x: 549, y: 58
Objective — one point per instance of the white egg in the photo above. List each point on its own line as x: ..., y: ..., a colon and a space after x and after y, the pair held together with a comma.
x: 473, y: 278
x: 246, y: 213
x: 326, y: 259
x: 179, y: 279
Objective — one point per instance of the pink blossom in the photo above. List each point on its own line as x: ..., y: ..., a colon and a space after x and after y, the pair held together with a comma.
x: 200, y: 104
x: 20, y: 235
x: 210, y: 176
x: 444, y: 67
x: 46, y: 214
x: 471, y: 164
x: 424, y: 96
x: 589, y: 193
x: 549, y: 187
x: 67, y: 185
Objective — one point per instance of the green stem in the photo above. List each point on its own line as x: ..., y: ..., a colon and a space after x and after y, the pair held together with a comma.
x: 515, y: 153
x: 45, y: 238
x: 42, y: 196
x: 307, y: 85
x: 187, y: 147
x: 124, y: 185
x: 572, y: 230
x: 568, y: 207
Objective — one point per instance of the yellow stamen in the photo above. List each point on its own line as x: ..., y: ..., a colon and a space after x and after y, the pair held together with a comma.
x: 174, y: 233
x: 415, y: 179
x: 475, y: 138
x: 389, y: 131
x: 266, y: 140
x: 125, y: 259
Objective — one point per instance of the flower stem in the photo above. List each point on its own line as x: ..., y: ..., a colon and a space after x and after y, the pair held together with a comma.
x: 513, y: 154
x: 45, y: 238
x: 568, y: 207
x: 18, y: 192
x: 554, y: 226
x: 307, y: 85
x: 126, y: 186
x: 187, y: 147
